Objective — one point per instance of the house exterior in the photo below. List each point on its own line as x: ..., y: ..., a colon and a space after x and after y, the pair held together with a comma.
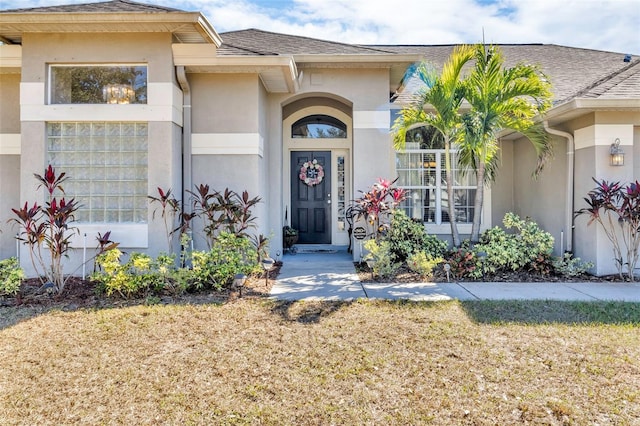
x: 126, y: 97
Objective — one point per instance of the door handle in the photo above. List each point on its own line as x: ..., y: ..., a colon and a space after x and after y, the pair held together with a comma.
x: 328, y: 201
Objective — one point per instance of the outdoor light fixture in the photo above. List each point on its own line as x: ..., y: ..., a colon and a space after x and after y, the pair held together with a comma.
x: 268, y: 264
x: 238, y: 282
x: 371, y: 263
x: 118, y: 93
x: 617, y: 154
x: 50, y: 288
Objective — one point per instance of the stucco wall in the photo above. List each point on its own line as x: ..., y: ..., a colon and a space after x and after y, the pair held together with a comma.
x: 162, y: 112
x: 592, y: 161
x: 231, y: 138
x: 542, y: 199
x: 224, y: 103
x: 502, y: 189
x: 9, y: 159
x: 9, y: 103
x: 10, y: 198
x: 153, y: 49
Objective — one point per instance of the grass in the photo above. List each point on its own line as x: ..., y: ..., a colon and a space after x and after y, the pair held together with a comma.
x: 366, y: 362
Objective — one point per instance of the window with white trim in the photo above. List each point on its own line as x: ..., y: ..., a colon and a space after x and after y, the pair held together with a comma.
x: 107, y: 168
x: 421, y: 171
x: 97, y: 84
x: 319, y: 126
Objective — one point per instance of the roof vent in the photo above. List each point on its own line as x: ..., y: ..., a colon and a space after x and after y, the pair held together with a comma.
x: 627, y: 58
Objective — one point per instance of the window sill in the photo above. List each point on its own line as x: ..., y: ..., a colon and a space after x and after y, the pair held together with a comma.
x: 129, y: 235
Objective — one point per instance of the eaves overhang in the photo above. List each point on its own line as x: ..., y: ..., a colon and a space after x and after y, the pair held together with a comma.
x: 187, y: 27
x: 396, y: 63
x: 279, y: 74
x: 580, y: 106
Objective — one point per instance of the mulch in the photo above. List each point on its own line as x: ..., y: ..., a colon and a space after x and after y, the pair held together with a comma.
x: 405, y: 275
x: 83, y: 294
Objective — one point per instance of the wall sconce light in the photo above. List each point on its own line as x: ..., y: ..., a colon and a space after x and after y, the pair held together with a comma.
x: 617, y: 154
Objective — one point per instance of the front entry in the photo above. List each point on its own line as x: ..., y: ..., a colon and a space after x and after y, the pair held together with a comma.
x: 311, y: 200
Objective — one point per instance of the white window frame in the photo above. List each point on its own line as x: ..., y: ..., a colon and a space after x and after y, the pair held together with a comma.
x: 439, y: 187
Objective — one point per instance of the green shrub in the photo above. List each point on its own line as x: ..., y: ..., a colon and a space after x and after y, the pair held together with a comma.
x: 383, y: 266
x: 11, y: 276
x: 229, y: 255
x: 134, y: 278
x: 406, y: 236
x: 143, y: 275
x: 569, y: 266
x: 528, y: 247
x: 423, y: 264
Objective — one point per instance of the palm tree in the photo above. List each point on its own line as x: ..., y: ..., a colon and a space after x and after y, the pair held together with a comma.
x: 500, y: 99
x: 438, y: 106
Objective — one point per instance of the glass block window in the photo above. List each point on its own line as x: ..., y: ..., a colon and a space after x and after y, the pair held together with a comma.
x: 103, y: 84
x: 107, y: 168
x: 422, y: 173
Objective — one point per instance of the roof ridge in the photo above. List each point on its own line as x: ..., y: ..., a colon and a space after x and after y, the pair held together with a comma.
x: 601, y: 81
x: 56, y: 8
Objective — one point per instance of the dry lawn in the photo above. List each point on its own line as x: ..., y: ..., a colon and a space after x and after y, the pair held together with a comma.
x: 384, y: 363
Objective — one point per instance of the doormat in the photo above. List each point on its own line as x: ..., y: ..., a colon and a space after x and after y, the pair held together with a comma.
x: 317, y: 251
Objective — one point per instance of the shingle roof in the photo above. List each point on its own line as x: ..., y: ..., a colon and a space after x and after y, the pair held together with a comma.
x: 258, y: 42
x: 572, y: 71
x: 624, y: 84
x: 117, y: 6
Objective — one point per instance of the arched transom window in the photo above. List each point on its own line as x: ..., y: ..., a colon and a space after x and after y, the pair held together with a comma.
x: 319, y: 126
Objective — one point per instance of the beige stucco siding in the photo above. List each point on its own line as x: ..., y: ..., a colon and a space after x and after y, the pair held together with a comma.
x: 224, y: 103
x: 9, y: 198
x: 502, y: 189
x: 163, y: 113
x: 542, y: 199
x: 230, y: 137
x: 592, y: 161
x: 9, y: 159
x: 9, y: 103
x: 152, y: 49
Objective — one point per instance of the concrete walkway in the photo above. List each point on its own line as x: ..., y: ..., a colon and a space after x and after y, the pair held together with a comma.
x: 331, y: 276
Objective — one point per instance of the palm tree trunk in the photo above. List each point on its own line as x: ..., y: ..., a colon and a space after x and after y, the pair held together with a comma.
x: 477, y: 204
x: 451, y: 201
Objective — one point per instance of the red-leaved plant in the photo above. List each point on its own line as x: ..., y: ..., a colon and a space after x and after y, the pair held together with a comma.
x: 617, y: 210
x: 377, y: 203
x: 45, y: 229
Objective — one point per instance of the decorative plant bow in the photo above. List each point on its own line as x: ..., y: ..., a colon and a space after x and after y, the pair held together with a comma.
x: 311, y: 173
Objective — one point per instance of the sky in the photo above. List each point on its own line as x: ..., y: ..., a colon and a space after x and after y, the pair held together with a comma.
x: 611, y: 25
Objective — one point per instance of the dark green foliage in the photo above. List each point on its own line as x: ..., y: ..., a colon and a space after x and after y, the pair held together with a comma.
x: 142, y: 275
x: 11, y: 276
x: 406, y: 237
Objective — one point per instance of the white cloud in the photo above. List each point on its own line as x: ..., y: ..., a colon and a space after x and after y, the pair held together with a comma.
x: 595, y: 24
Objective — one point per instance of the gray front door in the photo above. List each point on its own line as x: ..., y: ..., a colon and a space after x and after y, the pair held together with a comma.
x: 311, y: 203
